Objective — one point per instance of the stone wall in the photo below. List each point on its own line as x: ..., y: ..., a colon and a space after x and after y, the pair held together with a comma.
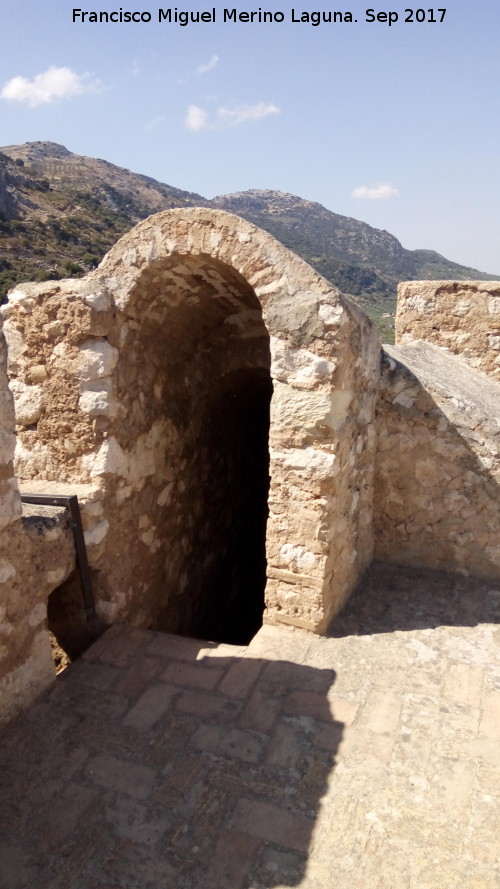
x: 36, y: 555
x: 129, y: 379
x: 462, y: 316
x: 437, y: 489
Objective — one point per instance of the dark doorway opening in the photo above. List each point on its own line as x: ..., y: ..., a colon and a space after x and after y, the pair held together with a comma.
x: 229, y: 558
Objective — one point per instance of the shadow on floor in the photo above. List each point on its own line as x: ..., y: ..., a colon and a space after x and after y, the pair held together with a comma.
x: 159, y: 761
x: 393, y: 597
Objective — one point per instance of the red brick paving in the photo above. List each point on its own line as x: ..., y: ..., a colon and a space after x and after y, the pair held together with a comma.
x: 262, y: 709
x: 154, y: 703
x: 62, y: 820
x: 272, y: 824
x: 157, y: 762
x: 207, y: 706
x: 303, y: 703
x: 120, y: 775
x: 241, y: 677
x: 234, y: 855
x: 175, y: 766
x: 285, y: 747
x: 136, y: 679
x: 193, y: 675
x: 231, y: 742
x: 176, y: 647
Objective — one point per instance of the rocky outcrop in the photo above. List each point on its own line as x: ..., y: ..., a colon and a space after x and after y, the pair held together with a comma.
x: 5, y: 200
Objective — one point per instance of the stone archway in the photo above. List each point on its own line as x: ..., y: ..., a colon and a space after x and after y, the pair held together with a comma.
x: 194, y: 380
x: 144, y: 366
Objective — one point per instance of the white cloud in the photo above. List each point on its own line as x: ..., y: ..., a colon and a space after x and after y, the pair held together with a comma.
x: 243, y: 113
x: 382, y: 191
x: 196, y: 119
x: 50, y: 86
x: 202, y: 69
x: 136, y: 69
x: 199, y: 119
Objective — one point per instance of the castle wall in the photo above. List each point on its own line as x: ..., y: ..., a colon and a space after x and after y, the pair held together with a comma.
x: 461, y: 316
x: 35, y: 556
x: 112, y: 375
x: 437, y: 488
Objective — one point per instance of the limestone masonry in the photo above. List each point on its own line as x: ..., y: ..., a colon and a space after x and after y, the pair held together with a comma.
x: 240, y: 445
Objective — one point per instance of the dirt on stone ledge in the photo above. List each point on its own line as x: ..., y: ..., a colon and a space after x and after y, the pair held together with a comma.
x: 60, y: 657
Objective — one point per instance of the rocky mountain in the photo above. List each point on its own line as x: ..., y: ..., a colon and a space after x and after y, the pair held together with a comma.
x: 60, y: 213
x: 362, y: 260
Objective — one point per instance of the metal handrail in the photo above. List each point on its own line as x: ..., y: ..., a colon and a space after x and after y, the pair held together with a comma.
x: 71, y: 504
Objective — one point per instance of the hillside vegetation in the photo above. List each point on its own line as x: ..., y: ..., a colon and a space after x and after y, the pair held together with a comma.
x: 60, y: 213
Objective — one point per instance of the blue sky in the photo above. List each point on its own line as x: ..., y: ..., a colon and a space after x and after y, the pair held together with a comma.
x: 398, y: 126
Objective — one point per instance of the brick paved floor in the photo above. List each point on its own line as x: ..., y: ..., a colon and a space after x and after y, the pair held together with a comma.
x: 367, y: 759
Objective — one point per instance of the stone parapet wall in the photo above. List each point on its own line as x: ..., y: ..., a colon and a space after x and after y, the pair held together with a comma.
x: 35, y: 557
x: 437, y: 487
x: 462, y: 316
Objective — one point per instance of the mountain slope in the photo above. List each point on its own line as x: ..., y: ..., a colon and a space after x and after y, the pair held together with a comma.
x: 369, y: 261
x: 60, y: 212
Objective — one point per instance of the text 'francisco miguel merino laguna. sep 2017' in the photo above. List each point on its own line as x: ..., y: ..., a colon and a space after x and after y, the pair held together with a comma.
x: 175, y: 16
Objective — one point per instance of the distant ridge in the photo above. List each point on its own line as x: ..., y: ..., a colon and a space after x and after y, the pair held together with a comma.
x: 60, y: 213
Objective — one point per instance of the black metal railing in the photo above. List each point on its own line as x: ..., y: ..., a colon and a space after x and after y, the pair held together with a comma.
x: 71, y: 504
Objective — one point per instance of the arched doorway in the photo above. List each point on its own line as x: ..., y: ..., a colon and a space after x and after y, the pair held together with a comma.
x: 155, y: 385
x: 196, y: 367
